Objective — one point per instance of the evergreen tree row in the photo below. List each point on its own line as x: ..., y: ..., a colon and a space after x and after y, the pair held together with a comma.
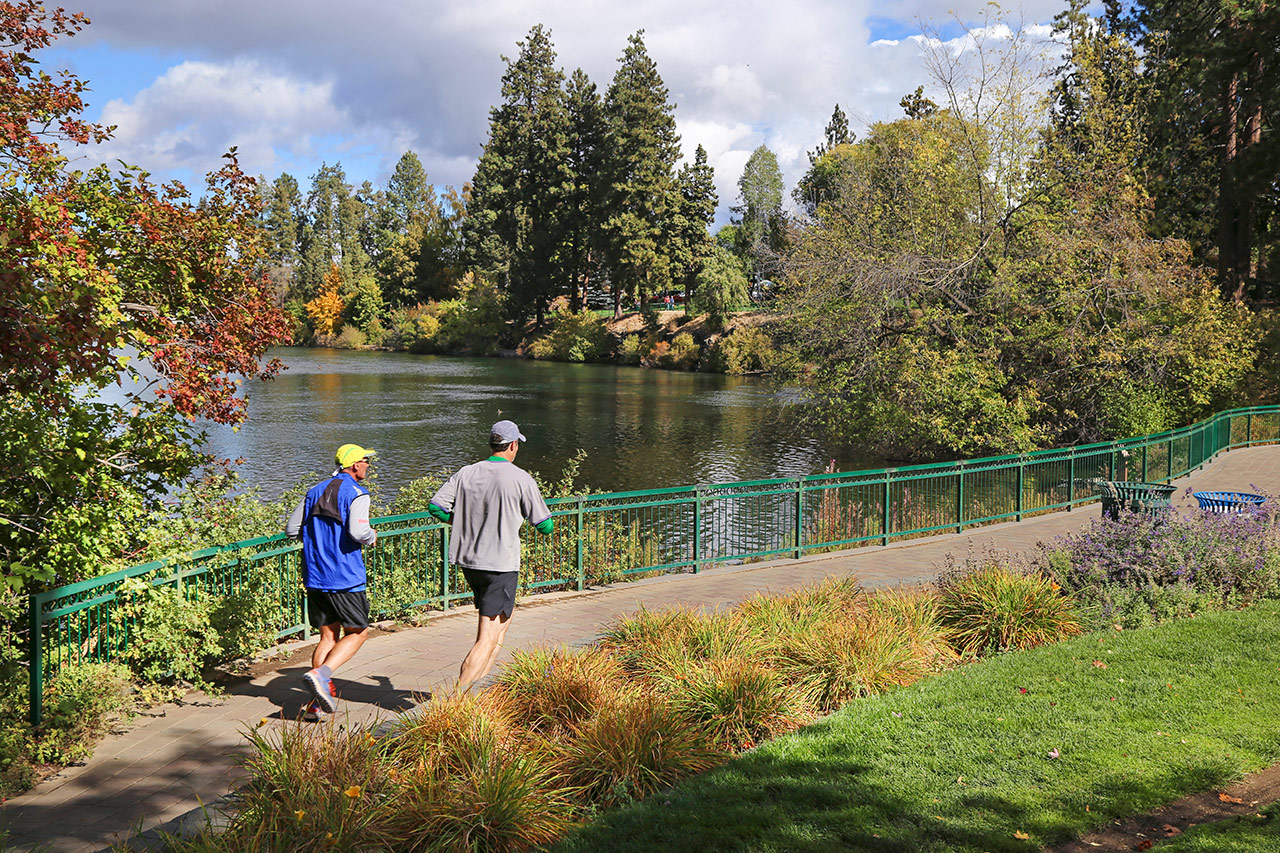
x: 576, y: 195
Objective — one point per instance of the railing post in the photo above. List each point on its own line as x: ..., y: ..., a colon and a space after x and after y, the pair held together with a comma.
x: 1169, y: 453
x: 1111, y: 463
x: 799, y: 551
x: 580, y: 530
x: 1248, y: 427
x: 959, y: 497
x: 697, y: 529
x: 884, y: 512
x: 1071, y: 480
x: 444, y: 567
x: 35, y: 658
x: 1021, y: 475
x: 1144, y: 463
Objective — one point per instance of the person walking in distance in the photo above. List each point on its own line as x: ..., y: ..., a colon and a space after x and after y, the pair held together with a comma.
x: 332, y: 521
x: 485, y: 503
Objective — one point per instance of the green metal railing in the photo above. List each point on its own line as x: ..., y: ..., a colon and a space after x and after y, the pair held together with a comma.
x: 610, y: 537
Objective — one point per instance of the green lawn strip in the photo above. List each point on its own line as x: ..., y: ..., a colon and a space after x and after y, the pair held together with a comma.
x: 1181, y: 708
x: 1249, y: 834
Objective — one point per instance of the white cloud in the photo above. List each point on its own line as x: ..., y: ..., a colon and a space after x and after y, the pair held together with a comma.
x: 197, y: 110
x: 292, y: 82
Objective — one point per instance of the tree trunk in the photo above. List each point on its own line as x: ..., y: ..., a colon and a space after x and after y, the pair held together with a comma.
x: 1228, y: 193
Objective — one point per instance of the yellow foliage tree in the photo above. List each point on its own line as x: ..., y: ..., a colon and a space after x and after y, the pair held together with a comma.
x: 326, y: 309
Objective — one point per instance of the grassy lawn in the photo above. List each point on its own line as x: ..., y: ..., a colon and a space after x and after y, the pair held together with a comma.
x: 964, y: 761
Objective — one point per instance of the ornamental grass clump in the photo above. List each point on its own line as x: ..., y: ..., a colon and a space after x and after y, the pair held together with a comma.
x: 484, y: 792
x: 989, y: 607
x: 632, y: 638
x: 310, y: 788
x: 429, y: 735
x: 916, y: 614
x: 549, y: 688
x: 632, y: 747
x: 859, y: 655
x: 735, y: 702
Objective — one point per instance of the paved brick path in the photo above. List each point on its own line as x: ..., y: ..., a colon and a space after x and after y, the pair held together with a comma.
x: 166, y: 765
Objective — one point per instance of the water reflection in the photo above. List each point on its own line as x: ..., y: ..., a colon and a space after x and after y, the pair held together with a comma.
x: 641, y: 428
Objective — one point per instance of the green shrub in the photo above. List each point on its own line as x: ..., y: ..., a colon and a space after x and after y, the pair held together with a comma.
x: 171, y: 638
x: 78, y: 700
x: 632, y: 349
x: 745, y: 350
x: 350, y: 338
x: 681, y: 354
x: 474, y: 321
x: 246, y: 619
x: 581, y: 337
x: 989, y: 608
x: 214, y: 510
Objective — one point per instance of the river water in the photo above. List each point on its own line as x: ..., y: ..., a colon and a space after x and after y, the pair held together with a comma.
x: 641, y: 429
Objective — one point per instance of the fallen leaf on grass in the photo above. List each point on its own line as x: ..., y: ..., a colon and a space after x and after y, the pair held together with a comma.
x: 1099, y: 664
x: 1053, y: 753
x: 1021, y: 836
x: 1022, y: 690
x: 1144, y: 845
x: 1227, y: 798
x: 1170, y: 830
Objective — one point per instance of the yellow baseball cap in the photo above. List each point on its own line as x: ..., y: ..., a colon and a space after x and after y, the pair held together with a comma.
x: 350, y: 454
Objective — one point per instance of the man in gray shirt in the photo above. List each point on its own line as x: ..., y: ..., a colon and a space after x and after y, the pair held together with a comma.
x: 486, y: 503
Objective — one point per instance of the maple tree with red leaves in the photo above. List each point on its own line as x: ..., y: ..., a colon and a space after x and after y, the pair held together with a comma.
x: 112, y: 288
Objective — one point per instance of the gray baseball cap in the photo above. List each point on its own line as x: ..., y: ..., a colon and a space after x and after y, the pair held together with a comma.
x: 505, y: 432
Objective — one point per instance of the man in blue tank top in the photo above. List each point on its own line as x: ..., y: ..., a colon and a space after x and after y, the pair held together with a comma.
x: 332, y: 521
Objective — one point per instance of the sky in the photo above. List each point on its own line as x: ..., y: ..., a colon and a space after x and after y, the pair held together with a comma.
x: 296, y: 84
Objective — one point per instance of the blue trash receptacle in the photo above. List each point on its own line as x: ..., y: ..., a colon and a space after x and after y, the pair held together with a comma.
x: 1227, y: 501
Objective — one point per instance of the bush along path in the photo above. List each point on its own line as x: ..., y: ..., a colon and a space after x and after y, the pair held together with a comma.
x: 1009, y: 754
x: 1020, y: 750
x: 1013, y: 753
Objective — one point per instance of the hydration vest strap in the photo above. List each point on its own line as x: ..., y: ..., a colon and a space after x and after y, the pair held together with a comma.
x: 327, y: 504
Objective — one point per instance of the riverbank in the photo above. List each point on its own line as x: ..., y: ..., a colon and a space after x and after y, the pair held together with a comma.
x: 740, y: 344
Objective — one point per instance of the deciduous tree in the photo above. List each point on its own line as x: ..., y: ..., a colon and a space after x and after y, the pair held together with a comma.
x: 127, y: 309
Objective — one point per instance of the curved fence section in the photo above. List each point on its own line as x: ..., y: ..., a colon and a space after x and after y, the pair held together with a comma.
x: 606, y: 538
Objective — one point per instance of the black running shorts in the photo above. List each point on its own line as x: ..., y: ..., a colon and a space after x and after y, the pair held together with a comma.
x: 329, y: 608
x: 495, y: 592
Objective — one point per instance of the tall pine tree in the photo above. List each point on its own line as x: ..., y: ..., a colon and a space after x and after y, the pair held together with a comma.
x: 523, y: 180
x: 581, y: 246
x: 1214, y: 73
x: 642, y: 148
x: 689, y: 241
